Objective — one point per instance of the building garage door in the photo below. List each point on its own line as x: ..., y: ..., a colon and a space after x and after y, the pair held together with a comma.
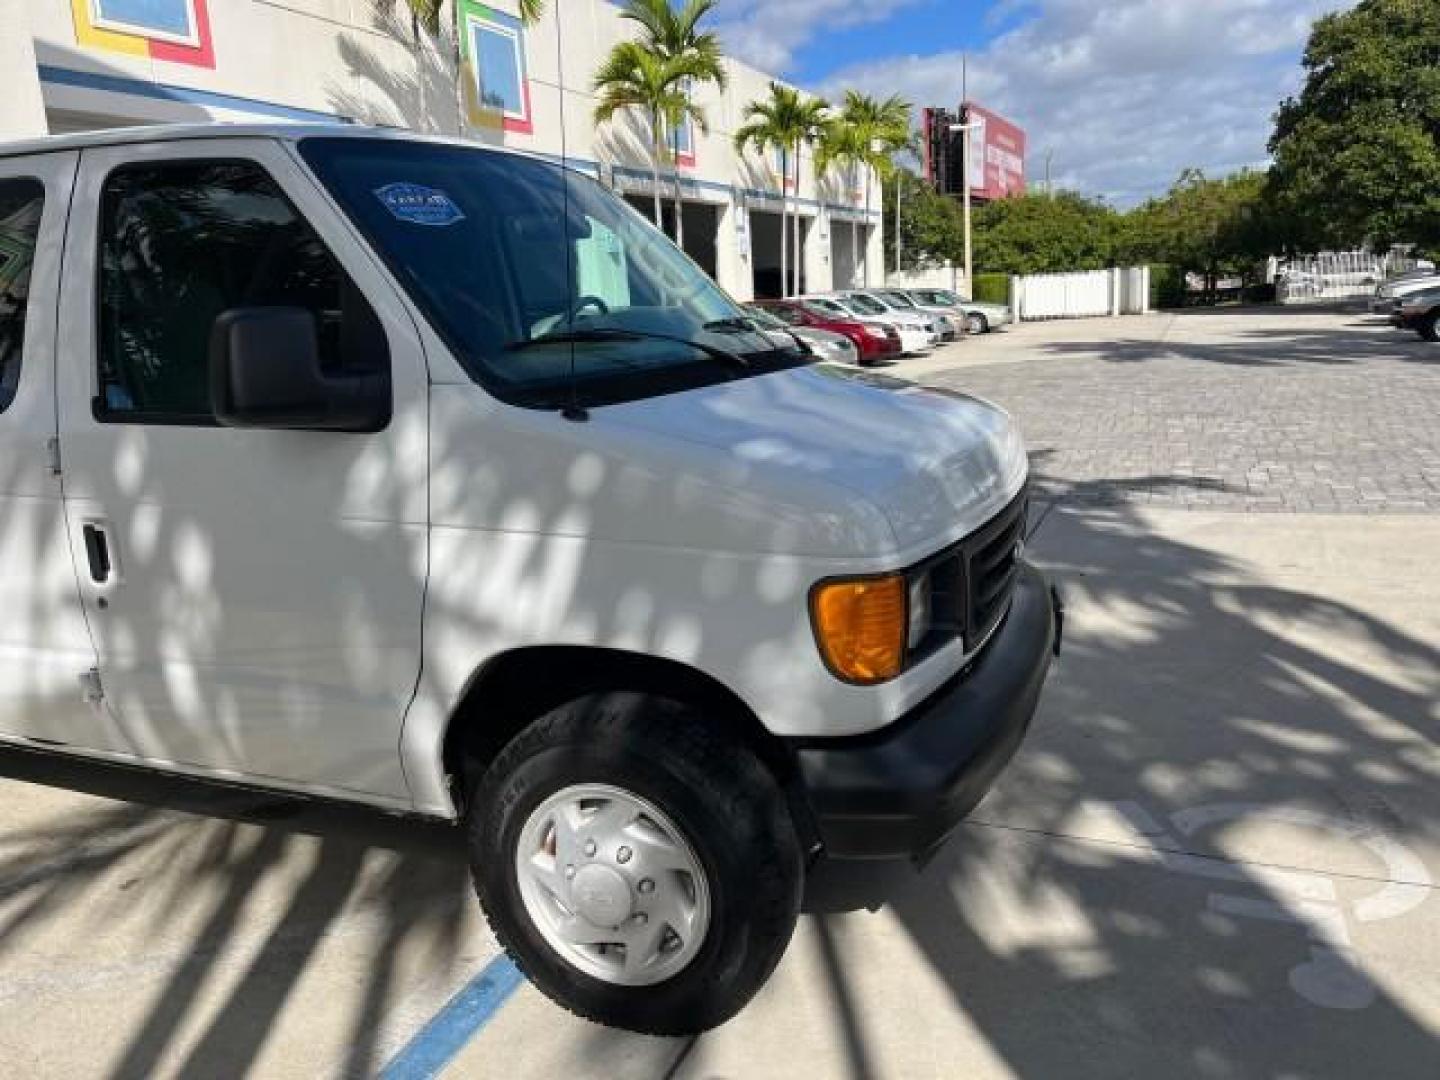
x: 766, y: 257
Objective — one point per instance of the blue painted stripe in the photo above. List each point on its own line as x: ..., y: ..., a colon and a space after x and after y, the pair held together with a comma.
x: 457, y: 1023
x: 120, y: 84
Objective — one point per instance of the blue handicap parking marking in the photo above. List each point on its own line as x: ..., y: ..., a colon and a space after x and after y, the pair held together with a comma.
x: 448, y: 1032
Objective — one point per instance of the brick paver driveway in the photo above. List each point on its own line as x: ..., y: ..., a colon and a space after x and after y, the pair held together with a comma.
x: 1289, y: 409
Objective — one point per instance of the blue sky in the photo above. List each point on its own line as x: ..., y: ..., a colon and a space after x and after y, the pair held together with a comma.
x: 932, y: 25
x: 1123, y: 94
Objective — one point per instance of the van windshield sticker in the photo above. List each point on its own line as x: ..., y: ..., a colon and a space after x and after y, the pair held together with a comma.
x: 419, y: 205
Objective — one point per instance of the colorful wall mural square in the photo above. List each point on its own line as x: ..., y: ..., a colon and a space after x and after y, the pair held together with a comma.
x: 177, y: 31
x: 496, y: 79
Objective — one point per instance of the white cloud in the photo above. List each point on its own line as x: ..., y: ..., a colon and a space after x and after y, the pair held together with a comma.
x: 768, y: 34
x: 1123, y: 93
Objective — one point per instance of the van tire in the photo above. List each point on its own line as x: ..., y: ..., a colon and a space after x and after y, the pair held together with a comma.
x: 728, y: 806
x: 1429, y: 327
x: 976, y: 323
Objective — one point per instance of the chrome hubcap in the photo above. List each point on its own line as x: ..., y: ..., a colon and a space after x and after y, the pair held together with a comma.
x: 612, y: 885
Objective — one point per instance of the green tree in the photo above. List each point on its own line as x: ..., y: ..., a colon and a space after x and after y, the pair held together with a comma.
x: 675, y: 36
x: 931, y: 229
x: 1212, y: 228
x: 1357, y: 153
x: 866, y: 134
x: 1042, y: 234
x: 786, y: 121
x: 634, y: 76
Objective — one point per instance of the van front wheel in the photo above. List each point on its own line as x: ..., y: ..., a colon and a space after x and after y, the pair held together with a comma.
x: 640, y: 867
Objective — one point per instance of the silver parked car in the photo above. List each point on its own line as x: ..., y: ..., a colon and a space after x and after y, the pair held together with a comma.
x: 1386, y: 300
x: 944, y: 328
x: 902, y: 300
x: 980, y: 317
x: 836, y: 348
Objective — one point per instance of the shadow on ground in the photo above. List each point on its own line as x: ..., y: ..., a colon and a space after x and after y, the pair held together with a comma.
x: 218, y: 849
x: 1190, y: 691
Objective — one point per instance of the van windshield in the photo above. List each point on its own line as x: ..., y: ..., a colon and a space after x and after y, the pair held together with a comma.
x: 550, y: 290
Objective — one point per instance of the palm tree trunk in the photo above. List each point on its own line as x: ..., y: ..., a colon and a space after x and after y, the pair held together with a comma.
x: 679, y: 215
x: 784, y: 224
x: 867, y: 226
x: 854, y: 237
x: 655, y: 151
x: 799, y: 250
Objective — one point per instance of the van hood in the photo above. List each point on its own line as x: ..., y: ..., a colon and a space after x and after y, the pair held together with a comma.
x: 936, y: 464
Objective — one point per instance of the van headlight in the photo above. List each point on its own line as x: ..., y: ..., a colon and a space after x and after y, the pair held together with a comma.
x: 860, y: 626
x: 866, y: 627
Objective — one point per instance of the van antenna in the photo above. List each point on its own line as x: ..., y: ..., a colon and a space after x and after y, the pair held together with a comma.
x: 573, y: 411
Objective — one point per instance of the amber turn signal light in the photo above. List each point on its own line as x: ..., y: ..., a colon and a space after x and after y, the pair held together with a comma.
x: 860, y: 626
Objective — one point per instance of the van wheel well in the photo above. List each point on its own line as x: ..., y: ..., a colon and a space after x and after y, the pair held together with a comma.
x: 511, y: 691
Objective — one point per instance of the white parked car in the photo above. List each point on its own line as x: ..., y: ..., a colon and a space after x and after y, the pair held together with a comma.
x: 429, y: 476
x: 915, y: 338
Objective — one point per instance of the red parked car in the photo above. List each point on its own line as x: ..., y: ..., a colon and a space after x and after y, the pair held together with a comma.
x: 873, y: 342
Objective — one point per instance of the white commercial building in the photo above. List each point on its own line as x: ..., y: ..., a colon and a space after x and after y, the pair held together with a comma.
x: 83, y: 64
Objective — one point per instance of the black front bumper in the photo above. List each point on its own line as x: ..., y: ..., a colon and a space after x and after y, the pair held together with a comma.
x: 901, y: 791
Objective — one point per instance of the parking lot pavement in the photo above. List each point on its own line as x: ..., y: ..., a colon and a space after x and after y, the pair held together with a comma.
x: 153, y: 928
x: 1217, y: 854
x: 1279, y: 409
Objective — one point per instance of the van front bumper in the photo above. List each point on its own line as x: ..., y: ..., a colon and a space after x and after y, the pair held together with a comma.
x: 900, y: 792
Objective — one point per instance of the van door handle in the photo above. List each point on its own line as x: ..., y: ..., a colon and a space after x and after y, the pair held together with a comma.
x: 97, y: 550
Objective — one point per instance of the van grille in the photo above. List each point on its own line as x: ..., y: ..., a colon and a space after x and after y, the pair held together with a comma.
x: 972, y: 580
x: 992, y: 563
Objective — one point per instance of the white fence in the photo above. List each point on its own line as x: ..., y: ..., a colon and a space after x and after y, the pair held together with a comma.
x: 1092, y: 293
x: 943, y: 276
x: 1335, y: 275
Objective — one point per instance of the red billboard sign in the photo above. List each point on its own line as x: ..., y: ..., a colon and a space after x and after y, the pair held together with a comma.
x: 996, y: 155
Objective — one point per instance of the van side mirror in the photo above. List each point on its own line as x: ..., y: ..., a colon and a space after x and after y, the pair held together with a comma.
x: 265, y: 373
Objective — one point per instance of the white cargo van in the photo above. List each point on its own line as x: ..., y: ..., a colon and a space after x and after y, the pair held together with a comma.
x: 431, y: 477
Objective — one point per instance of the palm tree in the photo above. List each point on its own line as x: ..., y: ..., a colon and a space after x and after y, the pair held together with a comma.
x: 866, y: 135
x: 787, y: 121
x: 843, y: 145
x: 635, y: 77
x: 676, y: 35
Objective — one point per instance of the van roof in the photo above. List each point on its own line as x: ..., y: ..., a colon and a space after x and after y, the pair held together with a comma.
x: 220, y: 130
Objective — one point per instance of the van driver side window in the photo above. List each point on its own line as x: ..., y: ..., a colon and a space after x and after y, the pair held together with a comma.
x: 182, y: 242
